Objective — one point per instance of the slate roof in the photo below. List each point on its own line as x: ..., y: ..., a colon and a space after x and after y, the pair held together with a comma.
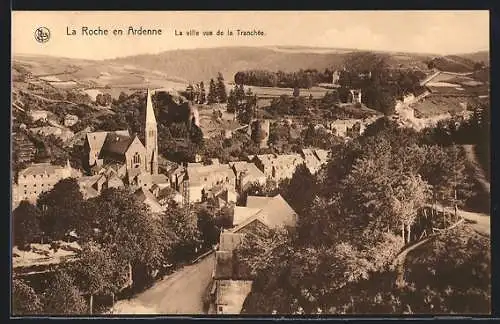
x: 272, y: 211
x: 40, y: 168
x: 116, y: 145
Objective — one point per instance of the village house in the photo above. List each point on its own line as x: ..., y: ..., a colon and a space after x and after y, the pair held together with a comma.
x: 103, y: 148
x: 38, y: 178
x: 278, y: 167
x: 197, y: 179
x: 246, y: 174
x: 314, y: 159
x: 145, y: 196
x: 233, y: 281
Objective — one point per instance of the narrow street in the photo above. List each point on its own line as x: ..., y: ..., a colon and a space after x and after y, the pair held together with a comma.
x: 180, y: 293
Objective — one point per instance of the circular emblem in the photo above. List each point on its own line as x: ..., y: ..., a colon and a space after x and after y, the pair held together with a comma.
x: 42, y: 34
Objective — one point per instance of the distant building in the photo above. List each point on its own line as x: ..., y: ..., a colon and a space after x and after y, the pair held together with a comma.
x: 70, y: 120
x: 355, y: 96
x: 145, y: 196
x: 61, y: 133
x: 246, y: 174
x: 38, y: 178
x: 278, y: 167
x: 314, y: 159
x: 202, y: 178
x: 38, y: 115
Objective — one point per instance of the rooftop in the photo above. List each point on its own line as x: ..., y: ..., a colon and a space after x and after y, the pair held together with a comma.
x: 40, y: 168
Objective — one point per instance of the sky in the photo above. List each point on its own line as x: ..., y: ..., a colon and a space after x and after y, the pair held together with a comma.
x: 436, y: 32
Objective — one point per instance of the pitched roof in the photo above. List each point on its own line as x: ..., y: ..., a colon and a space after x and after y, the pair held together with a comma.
x: 258, y: 217
x: 145, y: 196
x: 257, y: 201
x: 40, y: 168
x: 243, y: 213
x: 274, y: 211
x: 250, y: 169
x: 116, y: 145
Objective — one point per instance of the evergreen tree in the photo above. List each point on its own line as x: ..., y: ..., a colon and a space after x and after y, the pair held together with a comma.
x: 190, y: 95
x: 221, y: 89
x: 202, y: 98
x: 212, y: 92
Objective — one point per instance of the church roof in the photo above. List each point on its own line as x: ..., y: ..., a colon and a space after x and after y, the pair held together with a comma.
x: 116, y: 144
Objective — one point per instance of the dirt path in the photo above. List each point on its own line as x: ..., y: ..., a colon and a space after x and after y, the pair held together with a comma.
x: 478, y: 170
x: 180, y: 293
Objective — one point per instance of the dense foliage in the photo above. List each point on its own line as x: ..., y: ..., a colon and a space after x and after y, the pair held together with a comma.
x: 354, y: 218
x: 301, y: 79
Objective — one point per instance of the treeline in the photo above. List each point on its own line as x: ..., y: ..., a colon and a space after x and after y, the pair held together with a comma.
x: 301, y: 79
x: 380, y: 86
x: 123, y: 245
x: 355, y: 216
x: 216, y: 91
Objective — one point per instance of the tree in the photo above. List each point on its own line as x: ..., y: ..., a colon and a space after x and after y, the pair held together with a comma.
x: 26, y: 224
x: 202, y: 97
x: 129, y: 232
x: 63, y: 297
x: 99, y: 272
x: 24, y: 299
x: 181, y: 226
x: 207, y: 227
x: 410, y: 196
x: 301, y: 190
x: 61, y: 208
x: 212, y: 92
x: 221, y: 89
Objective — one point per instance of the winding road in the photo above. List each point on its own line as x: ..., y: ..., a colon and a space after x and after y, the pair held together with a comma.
x: 180, y: 293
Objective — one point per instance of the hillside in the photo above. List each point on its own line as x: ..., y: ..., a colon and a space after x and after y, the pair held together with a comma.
x: 203, y: 64
x: 173, y: 69
x: 481, y: 56
x: 460, y: 63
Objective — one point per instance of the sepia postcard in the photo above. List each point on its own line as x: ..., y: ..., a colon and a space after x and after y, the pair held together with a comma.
x: 262, y: 163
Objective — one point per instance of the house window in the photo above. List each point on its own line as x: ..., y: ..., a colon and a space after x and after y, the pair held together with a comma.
x: 220, y: 309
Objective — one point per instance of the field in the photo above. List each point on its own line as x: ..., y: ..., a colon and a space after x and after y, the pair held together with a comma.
x: 268, y: 92
x: 433, y: 106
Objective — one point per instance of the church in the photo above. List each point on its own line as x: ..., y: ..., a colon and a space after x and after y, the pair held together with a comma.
x: 126, y: 154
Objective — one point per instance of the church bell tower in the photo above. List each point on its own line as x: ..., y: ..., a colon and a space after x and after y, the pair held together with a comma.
x: 151, y: 137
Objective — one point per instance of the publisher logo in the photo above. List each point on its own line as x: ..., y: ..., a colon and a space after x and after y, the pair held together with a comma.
x: 42, y: 34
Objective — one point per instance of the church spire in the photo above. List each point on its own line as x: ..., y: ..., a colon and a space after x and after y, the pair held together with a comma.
x: 150, y: 113
x: 151, y: 137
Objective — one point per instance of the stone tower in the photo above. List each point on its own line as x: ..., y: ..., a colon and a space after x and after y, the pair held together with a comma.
x: 151, y: 137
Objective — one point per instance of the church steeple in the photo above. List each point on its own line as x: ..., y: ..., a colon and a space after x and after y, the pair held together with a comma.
x: 151, y: 137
